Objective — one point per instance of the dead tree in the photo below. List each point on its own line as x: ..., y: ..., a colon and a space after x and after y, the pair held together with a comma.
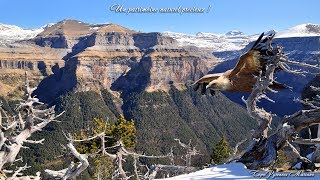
x: 120, y: 155
x: 16, y: 130
x: 262, y: 151
x: 72, y: 171
x: 173, y: 169
x: 191, y: 151
x: 117, y: 153
x: 169, y: 169
x: 233, y: 155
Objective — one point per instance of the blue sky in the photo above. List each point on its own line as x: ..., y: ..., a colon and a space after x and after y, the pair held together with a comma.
x: 220, y: 16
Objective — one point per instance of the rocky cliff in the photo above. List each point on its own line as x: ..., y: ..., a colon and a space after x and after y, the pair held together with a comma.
x: 115, y: 51
x: 19, y: 58
x: 65, y: 34
x: 72, y: 54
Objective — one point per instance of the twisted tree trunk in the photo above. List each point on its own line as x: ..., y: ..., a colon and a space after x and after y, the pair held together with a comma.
x: 263, y: 149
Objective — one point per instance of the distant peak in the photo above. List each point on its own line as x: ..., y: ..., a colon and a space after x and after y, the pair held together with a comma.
x: 68, y: 21
x: 8, y: 26
x: 201, y: 34
x: 13, y: 33
x: 114, y: 28
x: 234, y: 33
x: 305, y: 27
x: 301, y: 30
x: 313, y: 28
x: 46, y: 26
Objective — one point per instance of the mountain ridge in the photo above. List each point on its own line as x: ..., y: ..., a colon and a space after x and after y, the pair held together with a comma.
x: 96, y: 55
x: 230, y: 41
x: 12, y: 33
x: 236, y: 40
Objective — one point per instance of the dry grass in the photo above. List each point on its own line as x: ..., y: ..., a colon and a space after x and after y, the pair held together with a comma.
x: 12, y: 81
x: 5, y: 89
x: 74, y: 29
x: 70, y: 28
x: 115, y: 28
x: 30, y: 53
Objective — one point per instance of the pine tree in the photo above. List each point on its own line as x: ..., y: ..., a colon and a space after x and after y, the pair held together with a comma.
x: 220, y: 152
x: 122, y: 129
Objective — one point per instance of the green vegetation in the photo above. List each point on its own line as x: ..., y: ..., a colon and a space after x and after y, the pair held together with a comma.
x: 159, y: 118
x: 281, y: 160
x: 120, y: 130
x: 101, y: 166
x: 7, y: 106
x: 162, y: 116
x: 220, y: 152
x: 124, y: 130
x: 108, y: 99
x: 80, y: 110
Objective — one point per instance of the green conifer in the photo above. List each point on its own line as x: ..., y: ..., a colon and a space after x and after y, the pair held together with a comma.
x: 220, y: 152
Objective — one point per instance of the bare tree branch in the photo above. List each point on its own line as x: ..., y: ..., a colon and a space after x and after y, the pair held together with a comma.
x: 263, y: 150
x: 71, y: 171
x: 34, y: 142
x: 307, y: 141
x: 16, y: 130
x: 17, y: 175
x: 191, y: 151
x: 235, y: 150
x: 301, y: 64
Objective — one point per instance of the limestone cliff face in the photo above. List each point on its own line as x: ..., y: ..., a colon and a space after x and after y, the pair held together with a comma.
x: 177, y: 67
x: 127, y: 55
x: 72, y: 54
x: 104, y: 56
x: 30, y: 58
x: 17, y: 59
x: 148, y: 40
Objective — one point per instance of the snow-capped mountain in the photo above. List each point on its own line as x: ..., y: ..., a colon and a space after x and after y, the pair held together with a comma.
x: 12, y: 33
x: 231, y: 41
x: 303, y: 30
x: 237, y: 40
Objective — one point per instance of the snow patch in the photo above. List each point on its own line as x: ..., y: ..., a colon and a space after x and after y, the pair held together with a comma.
x: 230, y: 171
x: 232, y: 41
x: 239, y: 171
x: 12, y: 33
x: 236, y: 40
x: 94, y: 28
